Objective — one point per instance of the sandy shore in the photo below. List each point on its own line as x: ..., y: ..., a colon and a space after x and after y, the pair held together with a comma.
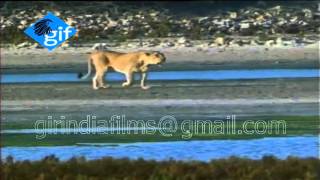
x: 231, y: 89
x: 179, y: 58
x: 180, y: 99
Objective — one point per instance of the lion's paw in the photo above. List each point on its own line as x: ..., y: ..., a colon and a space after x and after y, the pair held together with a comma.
x: 145, y: 87
x: 125, y: 84
x: 105, y: 86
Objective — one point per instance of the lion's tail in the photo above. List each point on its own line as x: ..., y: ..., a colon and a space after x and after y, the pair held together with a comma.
x: 81, y: 76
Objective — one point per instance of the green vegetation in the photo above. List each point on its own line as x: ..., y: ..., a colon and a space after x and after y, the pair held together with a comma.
x: 109, y: 168
x: 158, y: 20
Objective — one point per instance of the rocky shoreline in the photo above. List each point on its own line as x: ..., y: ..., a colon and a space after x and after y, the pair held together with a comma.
x: 261, y: 35
x: 264, y: 24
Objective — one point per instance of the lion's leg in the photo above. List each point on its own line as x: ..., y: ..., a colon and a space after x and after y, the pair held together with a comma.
x: 129, y: 79
x: 101, y: 79
x: 94, y: 82
x: 142, y: 83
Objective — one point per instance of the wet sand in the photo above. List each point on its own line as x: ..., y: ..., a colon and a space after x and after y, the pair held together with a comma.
x: 182, y: 99
x: 226, y: 89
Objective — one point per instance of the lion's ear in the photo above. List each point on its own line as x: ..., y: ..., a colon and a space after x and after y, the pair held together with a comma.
x: 148, y: 54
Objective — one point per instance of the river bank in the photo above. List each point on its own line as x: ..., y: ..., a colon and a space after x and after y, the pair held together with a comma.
x: 178, y: 58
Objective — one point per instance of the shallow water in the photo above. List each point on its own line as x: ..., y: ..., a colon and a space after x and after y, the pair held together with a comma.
x: 281, y: 147
x: 170, y: 75
x: 72, y: 130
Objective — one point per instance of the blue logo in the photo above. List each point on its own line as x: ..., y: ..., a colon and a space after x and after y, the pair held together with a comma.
x: 50, y: 31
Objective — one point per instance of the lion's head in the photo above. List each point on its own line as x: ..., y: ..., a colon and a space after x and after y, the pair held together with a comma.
x: 154, y: 57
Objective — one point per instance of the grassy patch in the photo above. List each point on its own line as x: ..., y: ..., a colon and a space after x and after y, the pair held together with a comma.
x: 294, y: 126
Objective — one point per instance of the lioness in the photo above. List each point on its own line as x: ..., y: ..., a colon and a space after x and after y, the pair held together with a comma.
x: 126, y: 63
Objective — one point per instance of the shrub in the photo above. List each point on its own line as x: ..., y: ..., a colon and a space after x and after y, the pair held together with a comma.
x: 231, y: 168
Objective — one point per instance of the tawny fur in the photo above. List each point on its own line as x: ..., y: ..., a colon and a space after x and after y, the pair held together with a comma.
x: 126, y: 63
